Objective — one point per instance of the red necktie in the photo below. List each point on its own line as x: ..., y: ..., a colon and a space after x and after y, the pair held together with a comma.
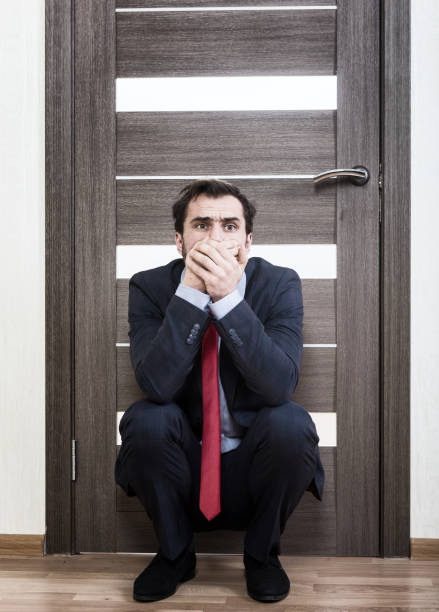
x: 210, y: 482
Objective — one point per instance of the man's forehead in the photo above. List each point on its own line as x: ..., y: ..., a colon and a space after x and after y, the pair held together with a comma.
x: 215, y: 208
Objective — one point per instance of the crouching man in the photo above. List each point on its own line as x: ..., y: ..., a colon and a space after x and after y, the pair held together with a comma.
x: 217, y: 443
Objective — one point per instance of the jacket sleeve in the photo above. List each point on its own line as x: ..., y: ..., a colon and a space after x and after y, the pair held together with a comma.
x: 268, y: 355
x: 163, y: 346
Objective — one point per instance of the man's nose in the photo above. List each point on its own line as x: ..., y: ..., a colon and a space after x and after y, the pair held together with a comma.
x: 216, y: 232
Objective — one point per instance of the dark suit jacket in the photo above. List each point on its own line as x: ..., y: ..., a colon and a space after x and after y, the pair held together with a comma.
x: 261, y: 343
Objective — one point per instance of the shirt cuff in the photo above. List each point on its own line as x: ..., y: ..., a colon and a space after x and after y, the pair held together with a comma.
x: 225, y: 304
x: 195, y: 297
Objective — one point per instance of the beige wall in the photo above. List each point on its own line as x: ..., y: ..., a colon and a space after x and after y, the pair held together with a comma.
x: 425, y: 271
x: 22, y: 353
x: 22, y: 432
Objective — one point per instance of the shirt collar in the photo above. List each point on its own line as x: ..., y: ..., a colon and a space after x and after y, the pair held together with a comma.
x: 240, y: 286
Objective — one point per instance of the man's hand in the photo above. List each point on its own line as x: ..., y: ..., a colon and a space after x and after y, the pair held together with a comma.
x: 192, y: 280
x: 219, y: 265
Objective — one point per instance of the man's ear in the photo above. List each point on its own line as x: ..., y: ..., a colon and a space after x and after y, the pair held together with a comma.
x: 248, y: 241
x: 179, y: 242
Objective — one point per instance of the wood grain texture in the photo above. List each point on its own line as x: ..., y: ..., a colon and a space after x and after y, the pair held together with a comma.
x: 319, y: 310
x: 309, y: 530
x: 207, y: 3
x: 95, y: 289
x: 396, y: 279
x: 59, y: 289
x: 225, y: 43
x: 318, y: 306
x: 315, y: 390
x: 96, y: 582
x: 358, y: 339
x: 424, y: 549
x: 288, y: 211
x: 22, y: 544
x: 229, y: 142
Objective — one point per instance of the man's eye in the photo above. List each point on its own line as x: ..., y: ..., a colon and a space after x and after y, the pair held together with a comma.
x: 200, y: 226
x: 230, y: 227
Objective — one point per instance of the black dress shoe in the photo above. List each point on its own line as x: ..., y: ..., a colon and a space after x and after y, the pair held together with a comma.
x: 268, y: 581
x: 161, y: 577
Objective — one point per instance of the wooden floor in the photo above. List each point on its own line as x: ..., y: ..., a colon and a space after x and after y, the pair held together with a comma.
x: 104, y: 582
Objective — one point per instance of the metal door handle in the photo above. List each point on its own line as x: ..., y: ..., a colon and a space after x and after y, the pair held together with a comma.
x: 358, y: 175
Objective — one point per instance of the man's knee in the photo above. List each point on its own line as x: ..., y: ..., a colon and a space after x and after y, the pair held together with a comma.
x: 289, y: 426
x: 145, y: 421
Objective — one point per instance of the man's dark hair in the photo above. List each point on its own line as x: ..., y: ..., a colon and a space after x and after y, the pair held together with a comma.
x: 213, y: 188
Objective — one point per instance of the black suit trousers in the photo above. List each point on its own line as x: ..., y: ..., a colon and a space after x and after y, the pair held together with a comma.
x: 262, y: 480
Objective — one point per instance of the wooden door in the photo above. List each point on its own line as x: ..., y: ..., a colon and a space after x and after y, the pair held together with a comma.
x: 129, y: 167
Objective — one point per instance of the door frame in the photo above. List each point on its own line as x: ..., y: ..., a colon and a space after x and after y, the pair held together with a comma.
x: 394, y: 277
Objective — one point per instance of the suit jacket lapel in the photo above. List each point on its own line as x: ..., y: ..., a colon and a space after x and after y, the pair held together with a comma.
x: 228, y: 372
x: 250, y: 281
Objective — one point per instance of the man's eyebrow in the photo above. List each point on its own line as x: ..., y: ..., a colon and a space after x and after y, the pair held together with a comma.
x: 230, y: 219
x: 204, y: 219
x: 198, y: 219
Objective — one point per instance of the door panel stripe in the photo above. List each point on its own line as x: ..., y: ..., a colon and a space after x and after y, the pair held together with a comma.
x: 226, y: 93
x: 205, y: 142
x: 318, y: 305
x: 173, y: 177
x: 225, y: 42
x: 325, y: 422
x: 287, y: 212
x: 315, y: 389
x: 119, y: 344
x: 187, y: 8
x: 204, y: 4
x: 309, y: 260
